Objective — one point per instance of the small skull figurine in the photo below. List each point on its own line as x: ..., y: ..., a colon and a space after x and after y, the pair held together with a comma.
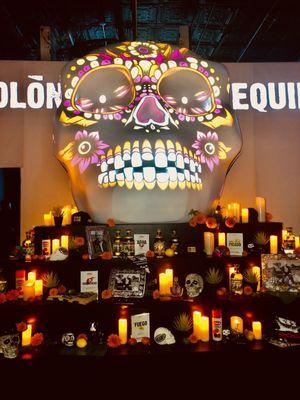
x: 193, y: 285
x: 163, y: 336
x: 68, y: 339
x: 9, y: 345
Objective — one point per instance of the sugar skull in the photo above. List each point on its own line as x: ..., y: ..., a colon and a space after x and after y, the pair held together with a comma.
x: 193, y: 285
x: 163, y: 336
x: 9, y: 345
x: 145, y: 126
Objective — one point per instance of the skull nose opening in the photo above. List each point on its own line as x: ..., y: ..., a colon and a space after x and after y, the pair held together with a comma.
x: 149, y: 111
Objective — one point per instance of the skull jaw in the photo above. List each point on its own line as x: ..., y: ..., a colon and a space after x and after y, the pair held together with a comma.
x: 11, y: 353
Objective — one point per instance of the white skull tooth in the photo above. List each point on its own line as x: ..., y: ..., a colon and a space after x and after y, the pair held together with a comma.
x: 110, y: 160
x: 162, y: 177
x: 126, y: 155
x: 128, y: 171
x: 180, y: 176
x: 193, y: 179
x: 103, y: 166
x: 199, y: 168
x: 136, y: 159
x: 172, y: 174
x: 101, y: 177
x: 192, y: 165
x: 170, y: 145
x: 119, y: 163
x: 162, y: 185
x: 157, y: 74
x: 196, y: 177
x: 161, y: 160
x: 138, y: 176
x: 147, y: 155
x: 105, y: 179
x: 112, y: 176
x: 171, y: 155
x: 187, y: 174
x: 149, y: 174
x: 179, y: 161
x: 120, y: 176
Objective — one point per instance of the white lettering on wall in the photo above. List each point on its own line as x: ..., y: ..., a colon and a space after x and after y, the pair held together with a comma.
x: 258, y: 97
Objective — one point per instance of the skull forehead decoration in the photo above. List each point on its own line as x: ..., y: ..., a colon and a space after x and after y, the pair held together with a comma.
x: 9, y: 345
x: 145, y: 125
x: 193, y: 285
x: 163, y: 336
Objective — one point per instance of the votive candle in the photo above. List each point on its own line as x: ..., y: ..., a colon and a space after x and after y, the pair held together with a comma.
x: 64, y: 241
x: 28, y: 290
x: 273, y: 244
x: 38, y: 287
x: 204, y: 329
x: 169, y: 276
x: 261, y: 208
x: 163, y: 284
x: 32, y: 276
x: 256, y: 328
x: 55, y: 245
x: 26, y: 336
x: 123, y: 330
x: 209, y: 243
x: 236, y: 324
x: 196, y: 324
x: 245, y: 215
x: 221, y: 239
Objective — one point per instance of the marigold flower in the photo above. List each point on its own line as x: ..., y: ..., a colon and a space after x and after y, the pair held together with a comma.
x: 110, y: 222
x: 2, y: 298
x: 107, y: 255
x: 146, y: 341
x: 193, y: 221
x: 211, y: 222
x: 12, y: 295
x: 230, y: 222
x: 21, y: 326
x: 37, y: 339
x: 155, y: 294
x: 150, y: 254
x: 113, y: 341
x: 106, y: 294
x: 61, y: 289
x: 248, y: 290
x: 200, y: 218
x: 53, y: 292
x: 193, y: 338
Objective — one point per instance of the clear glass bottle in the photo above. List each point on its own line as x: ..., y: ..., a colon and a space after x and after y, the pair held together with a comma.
x: 159, y: 245
x: 236, y: 281
x: 174, y: 242
x: 128, y: 244
x: 117, y: 244
x: 3, y: 281
x: 289, y: 241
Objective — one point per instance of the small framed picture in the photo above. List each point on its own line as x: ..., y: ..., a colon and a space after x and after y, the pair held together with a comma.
x: 235, y: 243
x: 98, y: 240
x: 127, y: 283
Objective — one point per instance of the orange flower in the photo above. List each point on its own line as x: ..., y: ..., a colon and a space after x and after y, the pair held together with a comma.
x: 79, y: 241
x: 113, y: 341
x: 53, y: 292
x: 146, y: 341
x: 107, y: 255
x: 12, y: 295
x: 211, y: 222
x: 248, y: 290
x: 193, y: 339
x: 269, y: 217
x: 200, y: 218
x: 61, y: 289
x: 2, y: 298
x: 21, y: 326
x: 230, y: 222
x: 132, y: 342
x: 193, y: 221
x: 106, y: 294
x: 110, y: 222
x: 155, y: 294
x: 37, y: 339
x: 150, y: 254
x: 85, y: 256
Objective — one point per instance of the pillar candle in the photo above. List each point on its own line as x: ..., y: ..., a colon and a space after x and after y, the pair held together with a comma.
x: 26, y: 336
x: 64, y: 241
x: 163, y: 284
x: 67, y: 217
x: 28, y: 290
x: 261, y: 208
x: 236, y: 324
x: 196, y: 324
x: 256, y: 271
x: 284, y: 233
x: 38, y: 287
x: 123, y: 330
x: 245, y: 215
x: 297, y: 242
x: 55, y: 245
x: 236, y: 211
x: 204, y: 329
x: 273, y: 244
x: 32, y: 276
x: 48, y: 219
x: 221, y: 239
x: 169, y: 275
x: 209, y: 243
x: 256, y: 328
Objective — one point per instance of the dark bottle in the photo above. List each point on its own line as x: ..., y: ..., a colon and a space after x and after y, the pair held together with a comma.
x: 128, y: 244
x: 28, y: 246
x: 159, y: 245
x: 174, y: 242
x: 236, y: 281
x: 117, y: 244
x: 289, y: 241
x: 3, y: 281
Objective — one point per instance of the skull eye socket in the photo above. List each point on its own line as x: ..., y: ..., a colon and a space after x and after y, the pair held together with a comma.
x: 195, y: 282
x: 188, y: 92
x: 209, y: 148
x: 106, y: 90
x: 6, y: 341
x: 84, y: 148
x: 188, y: 282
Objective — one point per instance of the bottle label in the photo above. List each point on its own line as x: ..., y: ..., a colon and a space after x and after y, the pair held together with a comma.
x: 217, y: 329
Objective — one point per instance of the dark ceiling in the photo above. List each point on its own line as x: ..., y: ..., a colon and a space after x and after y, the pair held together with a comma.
x: 228, y: 31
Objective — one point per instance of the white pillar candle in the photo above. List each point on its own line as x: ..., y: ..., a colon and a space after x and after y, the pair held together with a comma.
x: 209, y: 243
x: 221, y: 239
x: 273, y: 244
x: 64, y: 240
x: 261, y: 208
x: 197, y: 323
x: 55, y: 245
x: 245, y: 215
x: 256, y: 328
x: 123, y: 330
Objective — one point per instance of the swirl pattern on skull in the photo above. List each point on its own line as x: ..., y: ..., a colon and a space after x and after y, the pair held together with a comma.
x: 149, y: 124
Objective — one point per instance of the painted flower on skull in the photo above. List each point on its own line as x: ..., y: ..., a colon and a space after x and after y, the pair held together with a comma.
x: 210, y: 149
x: 143, y: 50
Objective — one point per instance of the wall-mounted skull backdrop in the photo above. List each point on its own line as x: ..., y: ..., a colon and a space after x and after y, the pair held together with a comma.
x: 146, y: 132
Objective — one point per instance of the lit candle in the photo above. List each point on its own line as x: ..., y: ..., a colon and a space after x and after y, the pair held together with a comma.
x: 204, y: 329
x: 67, y: 217
x: 169, y: 276
x: 55, y: 245
x: 221, y: 239
x: 236, y: 324
x: 261, y: 208
x: 38, y: 287
x: 196, y: 324
x: 273, y: 244
x: 236, y: 211
x: 123, y: 330
x: 64, y: 240
x: 26, y: 336
x: 48, y: 219
x: 297, y: 242
x: 28, y: 290
x: 32, y: 276
x: 256, y: 271
x: 284, y: 233
x: 209, y: 243
x: 256, y: 328
x: 163, y: 284
x: 245, y: 215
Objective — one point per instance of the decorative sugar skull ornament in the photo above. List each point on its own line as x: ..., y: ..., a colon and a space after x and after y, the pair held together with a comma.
x: 145, y: 126
x: 193, y: 285
x: 163, y: 336
x: 68, y: 339
x: 9, y: 345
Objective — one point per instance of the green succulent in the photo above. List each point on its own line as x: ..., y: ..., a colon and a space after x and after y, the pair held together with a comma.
x: 250, y: 276
x: 261, y: 238
x: 57, y: 211
x: 50, y: 280
x: 183, y: 322
x: 214, y: 276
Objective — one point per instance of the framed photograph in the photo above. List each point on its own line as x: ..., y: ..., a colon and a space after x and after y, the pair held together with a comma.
x: 280, y: 273
x: 98, y: 240
x: 235, y: 243
x: 127, y: 283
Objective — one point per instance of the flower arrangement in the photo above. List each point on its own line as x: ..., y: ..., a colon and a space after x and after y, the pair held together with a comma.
x: 212, y: 221
x: 37, y: 339
x: 57, y: 211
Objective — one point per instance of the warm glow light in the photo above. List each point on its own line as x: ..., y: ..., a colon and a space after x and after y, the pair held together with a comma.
x: 234, y: 211
x: 26, y: 336
x: 209, y: 243
x: 284, y: 233
x: 123, y: 330
x: 273, y: 244
x: 221, y: 239
x: 38, y: 287
x: 245, y: 215
x: 32, y: 276
x: 297, y: 242
x: 64, y: 240
x: 256, y: 271
x: 67, y: 217
x: 196, y: 324
x: 48, y: 219
x: 55, y: 245
x: 261, y: 208
x: 28, y: 290
x: 256, y: 328
x: 204, y: 329
x: 164, y: 288
x: 169, y: 275
x: 236, y: 324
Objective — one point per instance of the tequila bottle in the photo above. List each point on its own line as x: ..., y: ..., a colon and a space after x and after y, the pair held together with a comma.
x: 174, y: 242
x: 289, y: 241
x: 159, y: 245
x: 117, y: 244
x: 128, y: 244
x: 236, y: 281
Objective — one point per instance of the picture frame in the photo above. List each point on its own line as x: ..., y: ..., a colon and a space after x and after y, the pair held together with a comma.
x: 280, y: 273
x: 98, y: 241
x: 127, y: 283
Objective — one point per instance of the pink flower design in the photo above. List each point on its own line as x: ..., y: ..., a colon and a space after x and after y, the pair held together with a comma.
x: 207, y: 148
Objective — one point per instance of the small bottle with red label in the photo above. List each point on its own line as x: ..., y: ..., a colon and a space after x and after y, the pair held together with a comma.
x: 216, y: 323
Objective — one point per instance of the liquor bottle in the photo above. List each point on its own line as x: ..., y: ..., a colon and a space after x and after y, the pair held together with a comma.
x: 159, y: 245
x: 3, y: 281
x: 174, y: 242
x: 289, y: 241
x: 128, y: 244
x: 117, y: 244
x: 236, y: 281
x: 28, y: 246
x: 216, y: 324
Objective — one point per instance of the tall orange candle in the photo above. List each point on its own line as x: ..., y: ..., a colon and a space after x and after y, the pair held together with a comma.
x: 236, y: 324
x: 209, y: 243
x: 38, y: 287
x: 273, y: 244
x: 123, y: 330
x: 55, y: 245
x: 297, y: 242
x: 169, y: 276
x: 261, y: 208
x: 32, y: 276
x: 221, y: 239
x: 26, y: 336
x: 245, y: 215
x: 163, y: 284
x: 196, y: 324
x: 28, y: 290
x: 256, y: 328
x: 64, y: 241
x: 204, y: 329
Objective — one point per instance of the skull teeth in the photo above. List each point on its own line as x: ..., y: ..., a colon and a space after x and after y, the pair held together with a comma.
x: 165, y: 165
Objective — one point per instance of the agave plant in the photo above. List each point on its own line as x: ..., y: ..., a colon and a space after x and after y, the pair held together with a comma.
x: 214, y: 276
x: 183, y: 322
x: 261, y: 239
x: 250, y: 276
x: 50, y: 280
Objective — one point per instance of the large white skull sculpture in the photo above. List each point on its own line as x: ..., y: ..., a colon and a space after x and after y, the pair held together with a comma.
x: 193, y: 285
x: 145, y: 126
x: 9, y: 345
